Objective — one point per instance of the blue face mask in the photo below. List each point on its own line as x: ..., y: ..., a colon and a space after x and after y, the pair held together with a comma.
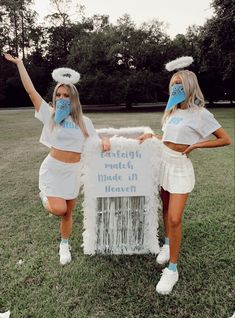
x: 177, y: 96
x: 63, y: 109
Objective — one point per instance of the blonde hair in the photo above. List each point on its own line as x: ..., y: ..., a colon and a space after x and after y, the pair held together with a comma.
x: 76, y: 108
x: 194, y: 96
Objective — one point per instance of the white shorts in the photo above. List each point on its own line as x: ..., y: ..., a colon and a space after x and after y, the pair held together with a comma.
x: 176, y: 173
x: 59, y: 179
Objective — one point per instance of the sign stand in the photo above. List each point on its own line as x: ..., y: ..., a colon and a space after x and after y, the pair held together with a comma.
x: 121, y: 193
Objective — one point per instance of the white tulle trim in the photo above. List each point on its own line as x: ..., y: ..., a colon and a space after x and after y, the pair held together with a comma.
x: 126, y: 131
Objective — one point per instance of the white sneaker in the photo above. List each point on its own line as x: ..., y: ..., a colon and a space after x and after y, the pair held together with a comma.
x: 167, y: 281
x: 64, y: 252
x: 164, y: 255
x: 43, y: 199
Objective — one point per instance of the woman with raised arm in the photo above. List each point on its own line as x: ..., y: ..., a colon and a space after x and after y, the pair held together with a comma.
x: 65, y: 131
x: 187, y: 126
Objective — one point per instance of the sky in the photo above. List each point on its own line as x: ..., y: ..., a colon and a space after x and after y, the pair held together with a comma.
x: 176, y: 14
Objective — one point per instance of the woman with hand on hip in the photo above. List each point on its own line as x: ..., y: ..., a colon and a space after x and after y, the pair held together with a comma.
x: 187, y: 125
x: 65, y: 131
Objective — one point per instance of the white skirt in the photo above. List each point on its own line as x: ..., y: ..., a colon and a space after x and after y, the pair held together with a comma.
x: 176, y: 173
x: 59, y: 179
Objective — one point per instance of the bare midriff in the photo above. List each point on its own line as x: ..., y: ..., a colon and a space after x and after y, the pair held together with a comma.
x: 175, y: 147
x: 65, y: 156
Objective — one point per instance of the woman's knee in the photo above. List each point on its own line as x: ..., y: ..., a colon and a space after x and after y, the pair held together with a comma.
x: 58, y: 207
x: 58, y: 210
x: 68, y: 215
x: 175, y: 221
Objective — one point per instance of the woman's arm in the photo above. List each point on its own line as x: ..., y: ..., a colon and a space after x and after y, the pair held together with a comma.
x: 222, y: 139
x: 26, y: 81
x: 105, y: 141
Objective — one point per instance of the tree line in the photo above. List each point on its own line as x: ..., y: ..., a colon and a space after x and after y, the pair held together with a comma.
x: 119, y: 64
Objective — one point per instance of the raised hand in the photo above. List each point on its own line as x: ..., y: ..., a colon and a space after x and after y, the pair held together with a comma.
x: 12, y: 59
x: 26, y: 81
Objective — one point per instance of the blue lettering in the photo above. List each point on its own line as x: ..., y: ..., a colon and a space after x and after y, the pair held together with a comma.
x: 175, y: 120
x: 118, y: 154
x: 119, y: 165
x: 130, y: 189
x: 106, y: 178
x: 69, y: 124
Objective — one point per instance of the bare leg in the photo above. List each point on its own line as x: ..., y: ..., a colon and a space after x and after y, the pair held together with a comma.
x: 56, y: 206
x: 63, y: 208
x: 175, y: 211
x: 66, y: 220
x: 164, y: 253
x: 165, y: 196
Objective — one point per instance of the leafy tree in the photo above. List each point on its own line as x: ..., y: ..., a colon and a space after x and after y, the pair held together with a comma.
x: 18, y: 21
x: 217, y: 51
x: 16, y: 24
x: 119, y: 63
x: 61, y: 31
x: 91, y: 54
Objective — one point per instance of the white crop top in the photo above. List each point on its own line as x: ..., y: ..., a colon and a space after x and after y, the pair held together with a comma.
x: 188, y: 126
x: 66, y: 136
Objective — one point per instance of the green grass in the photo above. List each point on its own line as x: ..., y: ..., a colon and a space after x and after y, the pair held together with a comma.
x: 111, y: 286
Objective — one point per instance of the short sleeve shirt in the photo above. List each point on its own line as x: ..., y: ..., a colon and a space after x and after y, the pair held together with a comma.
x: 188, y: 126
x: 66, y: 136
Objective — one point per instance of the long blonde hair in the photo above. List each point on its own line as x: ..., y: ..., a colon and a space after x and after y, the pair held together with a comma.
x: 76, y: 113
x: 194, y: 96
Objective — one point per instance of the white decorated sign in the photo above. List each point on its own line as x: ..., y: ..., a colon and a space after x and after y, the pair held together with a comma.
x: 121, y: 172
x: 121, y: 193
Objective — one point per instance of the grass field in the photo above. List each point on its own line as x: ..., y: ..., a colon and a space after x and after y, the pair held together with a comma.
x: 34, y: 285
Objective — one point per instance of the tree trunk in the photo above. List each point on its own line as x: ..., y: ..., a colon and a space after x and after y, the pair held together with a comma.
x: 23, y: 30
x: 16, y: 42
